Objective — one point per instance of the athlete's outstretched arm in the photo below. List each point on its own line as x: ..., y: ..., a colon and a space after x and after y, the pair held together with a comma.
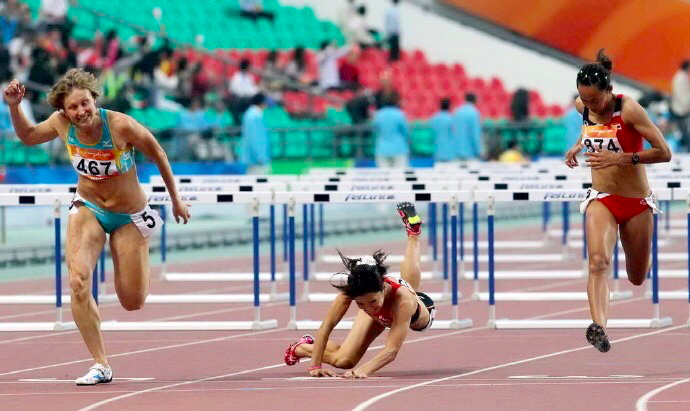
x: 402, y: 312
x: 144, y: 141
x: 335, y: 313
x: 636, y: 116
x: 29, y: 134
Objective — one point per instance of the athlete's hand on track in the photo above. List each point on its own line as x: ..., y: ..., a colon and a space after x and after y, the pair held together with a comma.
x: 354, y: 374
x: 602, y: 159
x: 571, y: 156
x: 322, y: 372
x: 14, y: 92
x: 181, y: 210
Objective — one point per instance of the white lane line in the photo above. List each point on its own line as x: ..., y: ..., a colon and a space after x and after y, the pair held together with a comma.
x: 641, y: 404
x: 187, y: 344
x: 362, y: 406
x: 120, y: 397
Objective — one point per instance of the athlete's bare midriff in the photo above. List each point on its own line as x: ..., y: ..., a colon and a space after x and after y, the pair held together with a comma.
x: 624, y: 181
x: 119, y: 194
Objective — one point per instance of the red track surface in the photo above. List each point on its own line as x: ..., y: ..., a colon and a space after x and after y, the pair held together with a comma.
x: 470, y: 369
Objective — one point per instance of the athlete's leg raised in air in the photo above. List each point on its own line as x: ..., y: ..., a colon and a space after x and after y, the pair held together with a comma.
x: 346, y: 355
x: 410, y: 269
x: 636, y: 238
x: 130, y: 251
x: 85, y: 240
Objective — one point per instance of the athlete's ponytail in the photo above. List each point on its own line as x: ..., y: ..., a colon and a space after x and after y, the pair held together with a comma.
x: 361, y: 277
x: 598, y: 73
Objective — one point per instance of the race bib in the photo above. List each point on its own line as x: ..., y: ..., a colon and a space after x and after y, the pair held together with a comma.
x: 600, y: 138
x: 94, y: 168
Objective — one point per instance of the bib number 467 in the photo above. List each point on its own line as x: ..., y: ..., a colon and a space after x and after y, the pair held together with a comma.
x: 95, y: 168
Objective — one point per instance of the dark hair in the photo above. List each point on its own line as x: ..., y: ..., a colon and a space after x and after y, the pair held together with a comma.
x: 512, y: 144
x: 362, y: 10
x: 258, y: 99
x: 324, y: 44
x: 361, y: 278
x: 470, y: 98
x: 244, y: 64
x: 445, y: 104
x: 598, y: 73
x: 391, y: 99
x: 685, y: 64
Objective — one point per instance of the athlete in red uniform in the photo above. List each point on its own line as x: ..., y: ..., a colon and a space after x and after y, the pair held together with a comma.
x: 620, y: 198
x: 384, y: 302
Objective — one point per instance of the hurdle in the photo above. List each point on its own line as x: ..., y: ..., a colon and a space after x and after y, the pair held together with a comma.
x: 58, y: 199
x: 572, y: 195
x: 681, y: 194
x: 296, y: 198
x: 271, y: 276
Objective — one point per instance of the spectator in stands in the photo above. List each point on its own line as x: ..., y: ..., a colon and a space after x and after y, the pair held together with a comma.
x: 254, y: 9
x: 386, y: 90
x: 297, y: 69
x: 392, y: 145
x: 467, y: 128
x: 10, y: 18
x: 572, y: 121
x: 53, y: 13
x: 112, y: 50
x: 194, y: 127
x: 512, y: 154
x: 680, y: 102
x: 392, y: 30
x: 519, y: 105
x: 20, y: 49
x: 349, y: 72
x: 273, y: 79
x: 255, y: 144
x: 166, y: 82
x: 327, y: 60
x: 242, y: 83
x: 358, y: 30
x: 242, y: 89
x: 441, y: 125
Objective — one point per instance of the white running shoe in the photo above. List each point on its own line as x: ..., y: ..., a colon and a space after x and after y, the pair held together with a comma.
x: 98, y: 374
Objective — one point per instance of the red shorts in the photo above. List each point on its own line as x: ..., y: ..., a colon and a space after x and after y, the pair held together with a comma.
x: 624, y: 208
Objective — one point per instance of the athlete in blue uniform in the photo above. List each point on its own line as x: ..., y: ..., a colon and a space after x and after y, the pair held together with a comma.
x: 109, y: 198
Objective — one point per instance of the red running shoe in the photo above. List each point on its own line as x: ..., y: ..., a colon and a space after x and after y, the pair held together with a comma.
x: 290, y: 357
x: 413, y: 224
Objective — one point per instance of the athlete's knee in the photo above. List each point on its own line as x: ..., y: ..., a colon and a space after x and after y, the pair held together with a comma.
x: 80, y: 287
x: 636, y: 277
x: 133, y: 303
x: 599, y: 264
x: 345, y: 363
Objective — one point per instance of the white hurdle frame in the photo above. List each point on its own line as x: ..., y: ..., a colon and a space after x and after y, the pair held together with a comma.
x: 491, y: 197
x: 58, y: 199
x: 296, y: 198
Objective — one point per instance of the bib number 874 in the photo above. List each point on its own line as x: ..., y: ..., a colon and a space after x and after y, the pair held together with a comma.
x: 597, y: 144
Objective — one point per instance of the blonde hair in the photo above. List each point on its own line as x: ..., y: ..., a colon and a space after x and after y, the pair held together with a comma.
x: 73, y: 79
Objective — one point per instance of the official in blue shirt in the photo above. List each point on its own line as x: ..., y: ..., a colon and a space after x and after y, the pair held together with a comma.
x: 441, y: 125
x: 255, y: 147
x: 392, y: 134
x: 572, y: 121
x: 468, y: 129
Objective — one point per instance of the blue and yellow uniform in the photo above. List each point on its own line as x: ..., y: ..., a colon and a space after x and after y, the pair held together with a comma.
x: 101, y: 161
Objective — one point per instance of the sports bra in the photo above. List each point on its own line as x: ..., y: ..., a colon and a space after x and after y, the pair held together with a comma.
x: 613, y: 136
x: 101, y: 160
x: 384, y: 316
